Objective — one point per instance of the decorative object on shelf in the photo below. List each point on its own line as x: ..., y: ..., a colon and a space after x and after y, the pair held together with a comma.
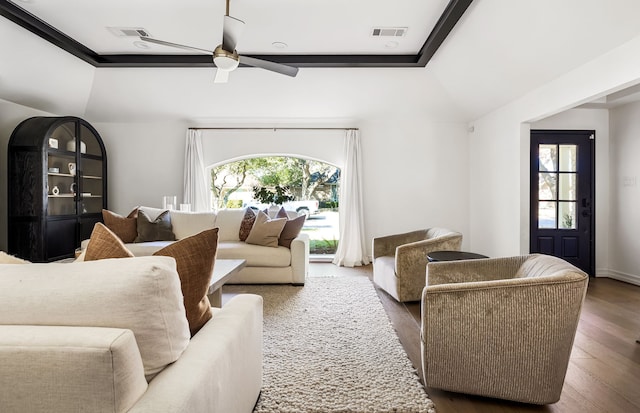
x: 55, y: 191
x: 53, y: 143
x: 86, y: 194
x: 169, y: 201
x: 54, y: 170
x: 72, y: 188
x: 72, y: 168
x: 71, y: 146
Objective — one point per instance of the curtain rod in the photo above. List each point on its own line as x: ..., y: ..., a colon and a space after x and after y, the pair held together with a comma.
x: 274, y: 129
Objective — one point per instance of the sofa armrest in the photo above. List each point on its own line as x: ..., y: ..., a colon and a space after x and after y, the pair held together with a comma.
x: 300, y: 259
x: 69, y: 369
x: 412, y: 259
x: 386, y: 246
x: 221, y: 369
x: 462, y: 271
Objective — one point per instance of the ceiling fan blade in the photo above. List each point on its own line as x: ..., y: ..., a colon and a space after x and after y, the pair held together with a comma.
x: 222, y: 76
x: 179, y: 46
x: 232, y: 29
x: 272, y: 66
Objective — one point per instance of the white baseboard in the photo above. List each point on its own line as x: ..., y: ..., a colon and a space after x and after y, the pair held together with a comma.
x: 618, y: 275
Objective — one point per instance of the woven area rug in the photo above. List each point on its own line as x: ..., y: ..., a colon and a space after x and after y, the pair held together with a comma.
x: 329, y: 347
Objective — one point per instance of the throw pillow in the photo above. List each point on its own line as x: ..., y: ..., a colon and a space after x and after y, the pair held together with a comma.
x: 158, y: 229
x: 124, y: 227
x: 282, y: 213
x: 265, y: 232
x: 104, y: 244
x: 10, y: 259
x: 246, y: 224
x: 291, y: 230
x: 195, y: 257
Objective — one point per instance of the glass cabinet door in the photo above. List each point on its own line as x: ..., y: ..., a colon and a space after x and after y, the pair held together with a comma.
x: 91, y: 184
x: 61, y: 182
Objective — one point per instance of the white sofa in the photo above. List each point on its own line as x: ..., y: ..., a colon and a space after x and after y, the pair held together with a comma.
x: 265, y: 265
x: 112, y: 336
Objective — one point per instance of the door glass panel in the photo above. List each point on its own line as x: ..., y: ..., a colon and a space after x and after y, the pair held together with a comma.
x: 567, y: 215
x: 548, y: 158
x: 568, y: 187
x: 547, y: 186
x: 546, y: 214
x: 568, y: 158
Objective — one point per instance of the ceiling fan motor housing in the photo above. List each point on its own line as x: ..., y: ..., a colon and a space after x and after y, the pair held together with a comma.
x: 225, y: 60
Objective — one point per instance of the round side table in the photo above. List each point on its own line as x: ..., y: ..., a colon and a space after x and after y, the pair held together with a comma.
x: 436, y: 256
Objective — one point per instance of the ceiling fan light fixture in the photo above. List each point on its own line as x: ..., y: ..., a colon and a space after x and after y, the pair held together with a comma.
x: 225, y: 60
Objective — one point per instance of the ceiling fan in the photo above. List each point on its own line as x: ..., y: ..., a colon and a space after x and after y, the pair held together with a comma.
x: 225, y: 56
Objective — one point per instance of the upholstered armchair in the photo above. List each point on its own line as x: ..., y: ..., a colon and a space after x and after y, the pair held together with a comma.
x: 501, y: 327
x: 400, y: 260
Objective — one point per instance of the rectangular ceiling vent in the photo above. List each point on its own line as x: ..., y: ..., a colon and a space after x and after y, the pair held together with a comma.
x: 129, y: 31
x: 388, y: 31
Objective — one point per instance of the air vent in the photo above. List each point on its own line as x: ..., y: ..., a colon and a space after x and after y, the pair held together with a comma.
x: 129, y: 31
x: 388, y: 31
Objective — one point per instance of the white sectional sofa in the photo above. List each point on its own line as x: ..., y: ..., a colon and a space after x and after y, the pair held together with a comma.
x: 112, y: 336
x: 265, y: 265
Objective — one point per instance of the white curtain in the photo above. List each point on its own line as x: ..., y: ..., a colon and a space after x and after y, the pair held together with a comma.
x: 195, y: 188
x: 351, y: 248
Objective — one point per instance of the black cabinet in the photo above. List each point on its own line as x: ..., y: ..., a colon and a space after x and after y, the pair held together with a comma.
x: 57, y: 186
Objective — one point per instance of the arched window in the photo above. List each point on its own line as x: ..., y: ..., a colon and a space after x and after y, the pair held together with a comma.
x: 302, y: 186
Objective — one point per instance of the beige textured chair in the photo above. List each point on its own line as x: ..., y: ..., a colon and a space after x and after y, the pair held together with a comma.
x: 501, y: 327
x: 400, y: 260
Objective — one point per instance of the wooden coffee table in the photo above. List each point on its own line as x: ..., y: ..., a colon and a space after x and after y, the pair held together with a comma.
x: 222, y: 271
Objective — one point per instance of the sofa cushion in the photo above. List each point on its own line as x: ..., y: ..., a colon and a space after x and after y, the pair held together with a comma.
x: 195, y: 257
x: 291, y: 230
x: 141, y: 294
x: 142, y: 249
x: 69, y: 369
x: 256, y: 255
x: 105, y: 244
x: 186, y: 224
x: 154, y: 229
x: 228, y: 220
x: 246, y: 224
x: 124, y: 227
x: 10, y: 259
x: 266, y: 231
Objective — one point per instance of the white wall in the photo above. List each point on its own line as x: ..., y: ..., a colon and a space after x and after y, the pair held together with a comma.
x: 625, y: 195
x: 415, y: 170
x: 501, y: 140
x: 598, y: 120
x: 144, y: 162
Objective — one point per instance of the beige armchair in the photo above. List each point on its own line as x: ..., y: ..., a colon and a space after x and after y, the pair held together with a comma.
x: 400, y: 261
x: 501, y: 327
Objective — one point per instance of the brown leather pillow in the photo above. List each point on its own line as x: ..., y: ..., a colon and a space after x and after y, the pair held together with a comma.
x: 105, y: 244
x: 246, y: 224
x: 159, y: 229
x: 126, y: 228
x: 195, y: 257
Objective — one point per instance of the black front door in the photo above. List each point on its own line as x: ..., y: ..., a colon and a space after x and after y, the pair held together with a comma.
x: 562, y: 196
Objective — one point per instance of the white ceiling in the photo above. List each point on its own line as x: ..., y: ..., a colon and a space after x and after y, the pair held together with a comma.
x: 307, y: 27
x: 498, y: 51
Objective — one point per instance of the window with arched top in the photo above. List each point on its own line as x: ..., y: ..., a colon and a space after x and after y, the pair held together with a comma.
x: 301, y: 186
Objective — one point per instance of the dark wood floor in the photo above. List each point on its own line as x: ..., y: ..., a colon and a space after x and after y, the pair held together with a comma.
x: 604, y: 370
